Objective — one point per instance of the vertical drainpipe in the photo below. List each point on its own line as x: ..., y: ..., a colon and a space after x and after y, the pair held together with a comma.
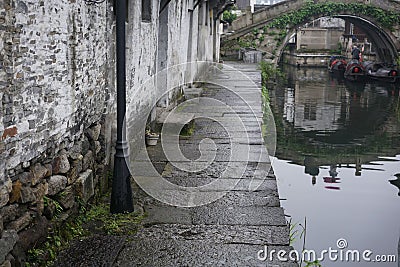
x: 121, y: 195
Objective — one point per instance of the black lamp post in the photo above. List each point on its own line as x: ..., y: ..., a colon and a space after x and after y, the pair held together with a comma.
x: 121, y: 195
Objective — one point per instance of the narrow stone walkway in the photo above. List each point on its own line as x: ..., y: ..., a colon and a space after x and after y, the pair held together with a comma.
x: 233, y: 229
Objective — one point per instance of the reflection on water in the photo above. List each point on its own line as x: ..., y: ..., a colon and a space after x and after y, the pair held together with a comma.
x: 338, y: 160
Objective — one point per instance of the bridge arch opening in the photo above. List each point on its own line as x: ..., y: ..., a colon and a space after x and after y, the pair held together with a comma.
x: 383, y: 41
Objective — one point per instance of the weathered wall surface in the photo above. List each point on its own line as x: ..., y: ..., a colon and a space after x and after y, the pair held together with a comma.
x: 57, y: 107
x: 318, y: 38
x: 55, y: 100
x: 50, y: 85
x: 175, y: 36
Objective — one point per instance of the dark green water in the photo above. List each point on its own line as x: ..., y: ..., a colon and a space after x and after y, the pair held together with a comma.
x: 337, y: 157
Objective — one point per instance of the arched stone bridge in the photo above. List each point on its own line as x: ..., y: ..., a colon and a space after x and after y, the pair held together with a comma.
x: 269, y: 29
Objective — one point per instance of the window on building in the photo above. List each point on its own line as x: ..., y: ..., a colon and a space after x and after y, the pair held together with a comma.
x: 190, y: 5
x: 201, y: 16
x: 146, y: 10
x: 210, y: 15
x: 206, y: 14
x: 310, y: 111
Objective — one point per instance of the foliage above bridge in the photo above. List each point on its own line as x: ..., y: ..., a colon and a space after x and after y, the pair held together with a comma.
x: 385, y: 18
x: 268, y: 33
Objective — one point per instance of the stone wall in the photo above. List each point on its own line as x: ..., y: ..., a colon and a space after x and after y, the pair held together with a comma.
x: 306, y: 59
x: 318, y: 38
x: 174, y: 36
x: 57, y: 107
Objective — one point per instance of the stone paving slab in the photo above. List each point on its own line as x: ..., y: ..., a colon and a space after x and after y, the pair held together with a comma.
x: 216, y: 185
x: 224, y: 150
x: 238, y: 154
x: 247, y: 199
x: 157, y: 252
x: 167, y: 215
x: 232, y: 198
x: 239, y: 216
x: 217, y: 234
x: 219, y: 169
x: 98, y: 250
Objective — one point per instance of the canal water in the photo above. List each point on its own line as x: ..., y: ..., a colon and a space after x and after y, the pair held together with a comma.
x: 337, y: 164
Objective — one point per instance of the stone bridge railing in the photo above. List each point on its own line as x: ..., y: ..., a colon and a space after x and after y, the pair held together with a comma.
x: 249, y: 21
x: 249, y: 30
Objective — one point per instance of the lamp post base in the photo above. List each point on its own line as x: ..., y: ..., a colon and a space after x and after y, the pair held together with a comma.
x: 121, y: 195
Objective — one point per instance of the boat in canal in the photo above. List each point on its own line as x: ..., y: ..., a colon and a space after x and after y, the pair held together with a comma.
x: 337, y: 64
x: 381, y: 71
x: 354, y: 71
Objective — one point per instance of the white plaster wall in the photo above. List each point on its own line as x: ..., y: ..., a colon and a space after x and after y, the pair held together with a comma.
x: 60, y: 58
x: 58, y: 72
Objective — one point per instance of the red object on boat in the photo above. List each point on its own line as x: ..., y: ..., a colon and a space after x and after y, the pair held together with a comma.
x: 354, y: 71
x: 337, y: 64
